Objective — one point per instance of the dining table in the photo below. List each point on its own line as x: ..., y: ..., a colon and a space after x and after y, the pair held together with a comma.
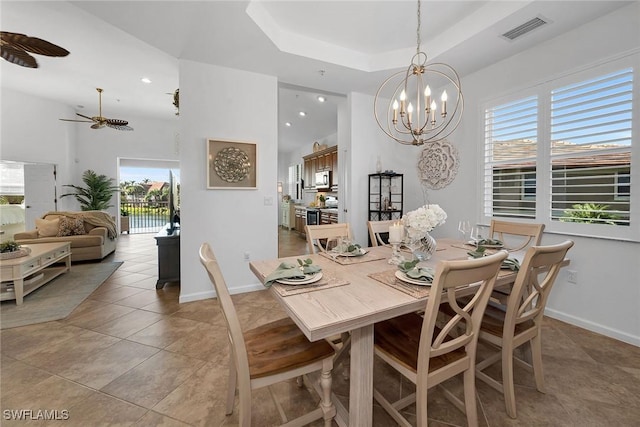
x: 357, y: 293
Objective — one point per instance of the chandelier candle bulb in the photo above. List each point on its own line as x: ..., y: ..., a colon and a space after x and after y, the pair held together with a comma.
x: 403, y: 98
x: 433, y: 113
x: 427, y: 99
x: 409, y: 111
x: 444, y: 103
x: 395, y: 111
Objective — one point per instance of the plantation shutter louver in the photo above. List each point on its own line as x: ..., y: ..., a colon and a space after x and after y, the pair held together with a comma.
x: 510, y: 159
x: 591, y: 124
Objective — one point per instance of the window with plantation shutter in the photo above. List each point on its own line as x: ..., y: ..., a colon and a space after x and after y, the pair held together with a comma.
x: 510, y: 159
x: 561, y: 153
x: 591, y: 124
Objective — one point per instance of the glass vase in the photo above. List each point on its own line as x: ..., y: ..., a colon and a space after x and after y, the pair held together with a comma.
x: 424, y: 248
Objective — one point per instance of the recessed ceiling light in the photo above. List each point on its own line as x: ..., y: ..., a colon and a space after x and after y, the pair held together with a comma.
x: 302, y: 113
x: 321, y: 98
x: 287, y: 124
x: 145, y: 80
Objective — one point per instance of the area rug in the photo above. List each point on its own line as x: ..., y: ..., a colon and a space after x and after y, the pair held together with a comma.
x: 58, y: 298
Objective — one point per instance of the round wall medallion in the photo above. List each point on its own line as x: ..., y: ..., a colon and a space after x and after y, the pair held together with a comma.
x: 232, y: 164
x: 438, y: 164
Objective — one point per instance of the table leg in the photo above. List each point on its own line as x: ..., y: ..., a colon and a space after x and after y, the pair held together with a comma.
x: 361, y: 386
x: 18, y: 288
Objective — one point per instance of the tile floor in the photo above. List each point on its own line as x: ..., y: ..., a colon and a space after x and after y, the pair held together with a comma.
x: 131, y: 355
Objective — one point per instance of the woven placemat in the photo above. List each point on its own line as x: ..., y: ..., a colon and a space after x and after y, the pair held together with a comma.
x: 324, y: 283
x: 348, y: 260
x: 389, y: 278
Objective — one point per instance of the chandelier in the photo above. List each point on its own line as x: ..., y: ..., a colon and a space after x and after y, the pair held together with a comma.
x: 413, y: 116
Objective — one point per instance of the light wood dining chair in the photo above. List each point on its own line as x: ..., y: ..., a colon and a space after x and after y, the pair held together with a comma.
x: 269, y: 354
x: 325, y: 236
x: 377, y: 227
x: 428, y: 355
x: 508, y: 327
x: 516, y: 236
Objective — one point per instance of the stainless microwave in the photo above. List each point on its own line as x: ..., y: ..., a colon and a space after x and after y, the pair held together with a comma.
x: 323, y: 179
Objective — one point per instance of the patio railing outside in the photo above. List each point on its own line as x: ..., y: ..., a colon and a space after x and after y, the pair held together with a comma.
x: 146, y: 217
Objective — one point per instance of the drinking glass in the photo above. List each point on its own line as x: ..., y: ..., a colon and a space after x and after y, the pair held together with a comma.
x: 464, y: 227
x: 476, y: 234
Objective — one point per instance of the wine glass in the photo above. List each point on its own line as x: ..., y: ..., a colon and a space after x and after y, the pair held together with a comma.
x: 476, y: 234
x: 464, y: 227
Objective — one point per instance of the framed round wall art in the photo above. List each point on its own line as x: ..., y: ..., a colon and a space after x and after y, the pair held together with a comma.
x: 231, y: 165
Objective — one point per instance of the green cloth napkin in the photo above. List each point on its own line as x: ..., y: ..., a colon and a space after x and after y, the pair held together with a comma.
x: 411, y: 269
x: 424, y: 274
x: 491, y: 242
x: 511, y: 264
x: 287, y: 270
x: 508, y: 264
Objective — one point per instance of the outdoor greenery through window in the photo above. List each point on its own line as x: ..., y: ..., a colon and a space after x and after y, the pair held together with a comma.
x: 563, y: 154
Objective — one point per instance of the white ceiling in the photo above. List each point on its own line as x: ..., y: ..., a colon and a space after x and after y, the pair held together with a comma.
x: 356, y: 44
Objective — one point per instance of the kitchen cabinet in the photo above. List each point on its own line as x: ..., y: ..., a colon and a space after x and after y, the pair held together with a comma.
x: 320, y: 161
x: 334, y: 169
x: 385, y: 196
x: 300, y: 219
x: 328, y: 216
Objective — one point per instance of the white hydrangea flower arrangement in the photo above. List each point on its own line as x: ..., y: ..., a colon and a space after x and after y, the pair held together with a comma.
x: 424, y: 219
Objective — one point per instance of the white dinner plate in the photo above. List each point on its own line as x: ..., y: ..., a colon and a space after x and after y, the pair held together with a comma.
x: 362, y: 252
x: 402, y: 276
x: 308, y: 278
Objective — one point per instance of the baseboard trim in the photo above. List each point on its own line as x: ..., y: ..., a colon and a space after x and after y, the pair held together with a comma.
x: 593, y: 327
x: 197, y: 296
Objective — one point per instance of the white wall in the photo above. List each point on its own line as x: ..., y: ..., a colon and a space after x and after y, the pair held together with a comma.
x: 607, y: 296
x: 31, y: 132
x: 218, y: 102
x: 100, y: 149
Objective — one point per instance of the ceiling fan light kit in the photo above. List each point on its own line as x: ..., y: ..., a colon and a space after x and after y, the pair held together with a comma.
x: 412, y: 116
x: 100, y: 121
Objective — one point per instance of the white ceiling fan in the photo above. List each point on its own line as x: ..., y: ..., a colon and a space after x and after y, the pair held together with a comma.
x: 99, y: 121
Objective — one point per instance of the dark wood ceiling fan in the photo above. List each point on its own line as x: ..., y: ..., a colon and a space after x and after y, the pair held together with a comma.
x: 14, y: 48
x: 99, y: 121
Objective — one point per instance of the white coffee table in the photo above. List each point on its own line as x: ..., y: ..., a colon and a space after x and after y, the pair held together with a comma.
x: 41, y: 259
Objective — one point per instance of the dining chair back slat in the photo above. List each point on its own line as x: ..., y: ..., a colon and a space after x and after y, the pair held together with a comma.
x: 325, y: 236
x: 516, y: 235
x: 376, y: 228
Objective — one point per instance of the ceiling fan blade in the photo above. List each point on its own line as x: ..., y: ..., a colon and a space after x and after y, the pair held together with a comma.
x: 87, y: 117
x: 18, y: 57
x: 119, y: 127
x: 79, y: 121
x: 32, y: 44
x: 117, y: 122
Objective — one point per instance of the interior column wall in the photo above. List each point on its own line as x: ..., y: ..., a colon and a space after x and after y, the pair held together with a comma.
x: 223, y: 103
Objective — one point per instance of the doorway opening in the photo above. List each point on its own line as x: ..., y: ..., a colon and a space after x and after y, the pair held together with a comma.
x: 149, y: 195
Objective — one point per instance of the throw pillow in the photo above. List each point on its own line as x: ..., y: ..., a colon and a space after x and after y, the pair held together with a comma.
x: 47, y: 228
x: 71, y: 227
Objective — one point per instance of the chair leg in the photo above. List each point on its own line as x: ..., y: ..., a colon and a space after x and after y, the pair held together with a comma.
x: 328, y: 409
x: 507, y: 379
x: 470, y: 396
x: 231, y: 392
x: 536, y: 362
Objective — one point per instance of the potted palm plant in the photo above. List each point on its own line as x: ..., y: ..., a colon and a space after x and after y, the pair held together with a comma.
x: 97, y: 193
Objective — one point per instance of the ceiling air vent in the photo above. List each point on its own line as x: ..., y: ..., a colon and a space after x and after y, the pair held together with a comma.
x: 523, y: 29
